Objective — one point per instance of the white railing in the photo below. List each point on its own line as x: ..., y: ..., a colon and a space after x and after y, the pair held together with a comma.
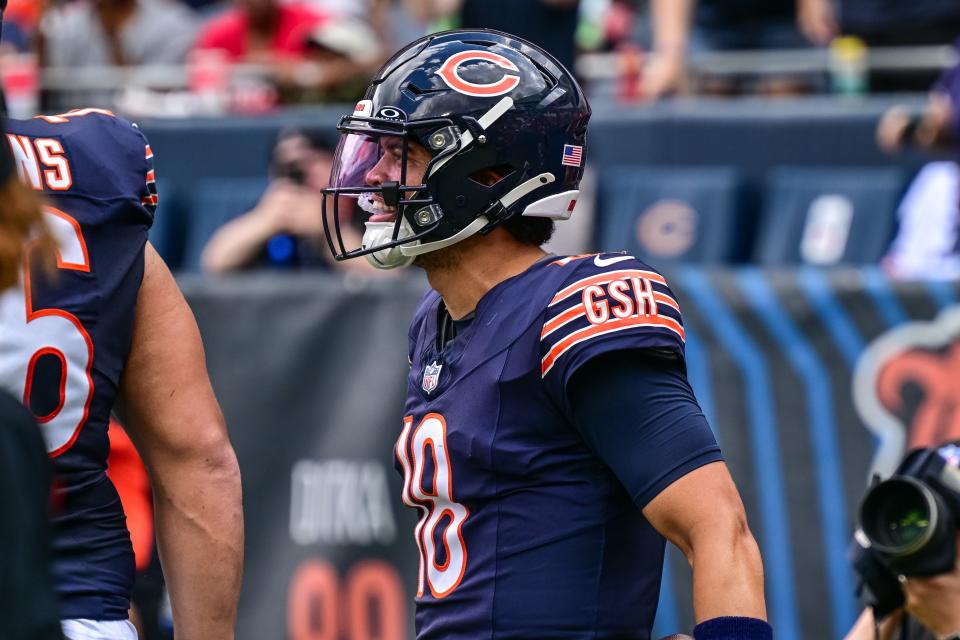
x: 607, y: 66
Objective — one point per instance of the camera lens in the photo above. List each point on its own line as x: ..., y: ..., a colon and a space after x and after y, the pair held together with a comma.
x: 899, y: 516
x: 905, y: 524
x: 910, y: 526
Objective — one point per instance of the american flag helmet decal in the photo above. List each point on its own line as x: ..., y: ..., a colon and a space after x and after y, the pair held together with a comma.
x: 572, y: 155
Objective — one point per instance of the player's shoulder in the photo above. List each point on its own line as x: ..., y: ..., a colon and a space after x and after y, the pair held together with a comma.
x: 88, y: 152
x: 93, y: 139
x: 610, y: 298
x: 613, y: 264
x: 92, y: 127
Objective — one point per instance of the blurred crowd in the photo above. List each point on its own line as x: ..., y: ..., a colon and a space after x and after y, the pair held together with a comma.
x: 180, y: 57
x: 172, y: 58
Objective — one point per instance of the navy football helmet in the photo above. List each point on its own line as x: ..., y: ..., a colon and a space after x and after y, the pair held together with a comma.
x: 500, y: 128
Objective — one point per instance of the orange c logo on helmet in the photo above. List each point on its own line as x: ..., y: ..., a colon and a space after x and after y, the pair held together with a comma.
x: 449, y: 71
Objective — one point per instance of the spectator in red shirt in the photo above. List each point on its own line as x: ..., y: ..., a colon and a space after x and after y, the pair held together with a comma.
x: 261, y: 31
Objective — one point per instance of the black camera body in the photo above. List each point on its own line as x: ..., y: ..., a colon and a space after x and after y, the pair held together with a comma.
x: 908, y: 526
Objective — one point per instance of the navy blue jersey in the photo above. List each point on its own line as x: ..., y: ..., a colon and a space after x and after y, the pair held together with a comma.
x: 525, y: 531
x: 65, y: 337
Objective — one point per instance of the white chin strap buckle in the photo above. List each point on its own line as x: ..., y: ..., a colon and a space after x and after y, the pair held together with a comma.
x: 380, y: 233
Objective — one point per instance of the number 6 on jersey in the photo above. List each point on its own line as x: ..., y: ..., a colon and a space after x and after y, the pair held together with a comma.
x: 436, y: 504
x: 28, y: 334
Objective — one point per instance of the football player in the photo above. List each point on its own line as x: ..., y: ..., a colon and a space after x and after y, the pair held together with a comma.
x: 110, y: 330
x: 107, y: 328
x: 551, y: 441
x: 27, y: 602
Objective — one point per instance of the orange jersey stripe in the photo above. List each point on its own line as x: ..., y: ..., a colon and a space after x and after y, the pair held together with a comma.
x: 663, y: 298
x: 604, y: 278
x: 569, y: 315
x: 562, y: 262
x: 579, y: 311
x: 577, y: 337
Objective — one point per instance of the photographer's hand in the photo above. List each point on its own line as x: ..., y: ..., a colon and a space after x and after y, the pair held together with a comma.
x: 935, y: 601
x: 866, y: 627
x: 237, y: 244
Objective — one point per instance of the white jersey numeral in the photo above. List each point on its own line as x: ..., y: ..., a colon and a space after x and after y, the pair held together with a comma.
x: 27, y: 334
x: 437, y: 505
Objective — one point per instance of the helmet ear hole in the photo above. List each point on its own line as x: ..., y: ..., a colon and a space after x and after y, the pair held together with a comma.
x: 490, y: 176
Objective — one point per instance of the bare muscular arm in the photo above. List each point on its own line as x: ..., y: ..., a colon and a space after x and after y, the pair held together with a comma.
x: 702, y: 514
x: 171, y: 413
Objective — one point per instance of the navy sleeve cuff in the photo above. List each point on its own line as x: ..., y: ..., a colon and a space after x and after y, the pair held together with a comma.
x: 695, y: 461
x: 733, y: 628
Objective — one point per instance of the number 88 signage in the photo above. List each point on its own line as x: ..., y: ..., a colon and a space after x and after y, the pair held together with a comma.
x: 368, y: 604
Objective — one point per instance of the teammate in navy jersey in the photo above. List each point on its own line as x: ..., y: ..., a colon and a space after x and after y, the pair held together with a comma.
x: 107, y: 329
x: 28, y: 608
x: 551, y: 441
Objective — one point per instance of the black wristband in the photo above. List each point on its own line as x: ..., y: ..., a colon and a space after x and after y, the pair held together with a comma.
x: 733, y: 628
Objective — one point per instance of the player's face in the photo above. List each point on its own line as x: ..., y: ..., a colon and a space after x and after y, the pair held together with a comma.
x: 389, y: 168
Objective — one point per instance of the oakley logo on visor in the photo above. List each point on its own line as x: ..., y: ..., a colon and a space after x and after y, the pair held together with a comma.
x: 391, y: 113
x: 449, y: 71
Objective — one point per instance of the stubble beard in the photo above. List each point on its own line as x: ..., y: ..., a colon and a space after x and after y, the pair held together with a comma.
x: 440, y: 260
x: 448, y: 258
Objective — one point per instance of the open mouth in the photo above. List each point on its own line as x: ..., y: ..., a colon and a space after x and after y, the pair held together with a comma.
x: 379, y: 212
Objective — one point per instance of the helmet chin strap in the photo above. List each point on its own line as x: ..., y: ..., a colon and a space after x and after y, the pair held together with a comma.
x: 401, y: 256
x: 420, y: 248
x: 378, y: 233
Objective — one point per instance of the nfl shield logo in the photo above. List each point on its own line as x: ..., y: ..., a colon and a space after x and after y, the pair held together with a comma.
x: 950, y: 453
x: 431, y: 376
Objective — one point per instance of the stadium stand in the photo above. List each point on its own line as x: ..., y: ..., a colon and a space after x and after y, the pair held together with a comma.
x: 169, y: 227
x: 670, y: 215
x: 213, y: 202
x: 828, y: 215
x: 749, y: 135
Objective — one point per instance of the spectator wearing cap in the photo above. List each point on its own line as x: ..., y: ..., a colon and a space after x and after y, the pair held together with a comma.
x: 389, y: 19
x: 341, y: 56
